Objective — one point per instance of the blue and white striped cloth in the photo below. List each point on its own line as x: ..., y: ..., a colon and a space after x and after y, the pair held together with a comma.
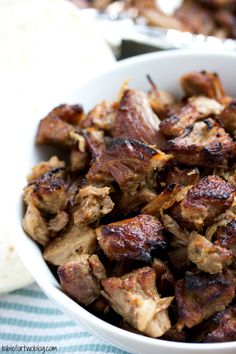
x: 29, y: 320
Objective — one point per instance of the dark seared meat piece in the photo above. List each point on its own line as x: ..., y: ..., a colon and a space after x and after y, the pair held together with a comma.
x: 80, y: 278
x: 197, y: 108
x: 204, y: 144
x: 226, y: 327
x: 210, y: 197
x: 128, y: 162
x: 48, y: 192
x: 59, y: 127
x: 208, y: 257
x: 203, y: 83
x: 132, y: 238
x: 199, y: 296
x: 225, y: 236
x: 182, y: 176
x: 135, y: 119
x: 228, y: 118
x: 134, y: 296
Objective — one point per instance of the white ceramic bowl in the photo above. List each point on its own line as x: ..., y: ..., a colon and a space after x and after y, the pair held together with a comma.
x: 165, y: 69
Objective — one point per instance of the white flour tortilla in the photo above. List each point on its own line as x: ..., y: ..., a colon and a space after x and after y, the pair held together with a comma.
x: 47, y: 50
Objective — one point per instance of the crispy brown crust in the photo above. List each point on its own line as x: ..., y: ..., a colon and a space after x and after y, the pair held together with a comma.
x: 225, y: 330
x: 132, y: 238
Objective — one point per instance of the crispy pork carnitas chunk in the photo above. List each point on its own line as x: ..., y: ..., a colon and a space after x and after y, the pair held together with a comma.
x: 128, y: 162
x: 225, y: 330
x: 197, y: 108
x: 91, y: 204
x: 207, y: 256
x: 100, y: 117
x: 171, y: 195
x: 203, y: 83
x: 228, y: 118
x: 44, y: 167
x: 35, y: 226
x: 204, y: 144
x: 48, y: 192
x: 199, y: 296
x: 134, y: 296
x: 225, y: 236
x: 80, y: 278
x: 210, y: 197
x: 76, y: 240
x: 59, y: 127
x: 135, y: 119
x: 132, y: 238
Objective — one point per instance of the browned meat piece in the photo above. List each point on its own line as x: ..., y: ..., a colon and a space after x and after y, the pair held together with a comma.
x: 79, y: 160
x: 91, y: 204
x: 226, y: 236
x: 45, y: 166
x: 210, y: 197
x: 196, y: 109
x: 228, y: 118
x: 57, y: 127
x: 59, y: 222
x: 134, y: 296
x: 226, y: 327
x: 132, y: 238
x: 76, y: 240
x: 203, y: 83
x: 180, y: 236
x: 135, y: 119
x: 208, y: 257
x: 48, y: 192
x: 95, y: 140
x: 161, y: 102
x: 204, y: 144
x: 183, y: 177
x: 35, y: 226
x: 100, y: 117
x: 172, y: 194
x: 80, y: 278
x: 200, y: 296
x: 128, y: 162
x: 194, y: 16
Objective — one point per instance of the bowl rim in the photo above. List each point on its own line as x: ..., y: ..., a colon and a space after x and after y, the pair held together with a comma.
x: 54, y: 292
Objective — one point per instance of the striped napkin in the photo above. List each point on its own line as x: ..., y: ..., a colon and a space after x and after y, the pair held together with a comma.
x: 28, y: 319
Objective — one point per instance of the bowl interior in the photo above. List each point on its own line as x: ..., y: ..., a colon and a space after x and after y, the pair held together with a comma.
x: 165, y: 69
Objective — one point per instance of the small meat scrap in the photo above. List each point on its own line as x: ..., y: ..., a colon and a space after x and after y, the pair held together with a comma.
x: 225, y: 236
x: 135, y: 119
x: 225, y: 330
x: 207, y: 256
x: 228, y: 117
x: 210, y: 197
x: 134, y: 296
x: 91, y: 204
x: 197, y: 108
x: 182, y: 176
x: 100, y: 117
x: 132, y: 238
x: 58, y: 222
x: 79, y: 160
x: 80, y: 278
x: 204, y: 144
x: 35, y: 226
x: 60, y: 126
x: 76, y: 240
x: 45, y: 166
x: 203, y: 83
x: 129, y: 162
x: 48, y: 192
x: 180, y: 236
x: 168, y: 197
x: 95, y: 141
x: 199, y: 296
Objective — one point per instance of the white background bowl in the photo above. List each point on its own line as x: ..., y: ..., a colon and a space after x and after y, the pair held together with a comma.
x: 165, y: 69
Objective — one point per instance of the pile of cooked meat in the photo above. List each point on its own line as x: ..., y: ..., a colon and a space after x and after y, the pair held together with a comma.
x: 208, y: 17
x: 139, y: 222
